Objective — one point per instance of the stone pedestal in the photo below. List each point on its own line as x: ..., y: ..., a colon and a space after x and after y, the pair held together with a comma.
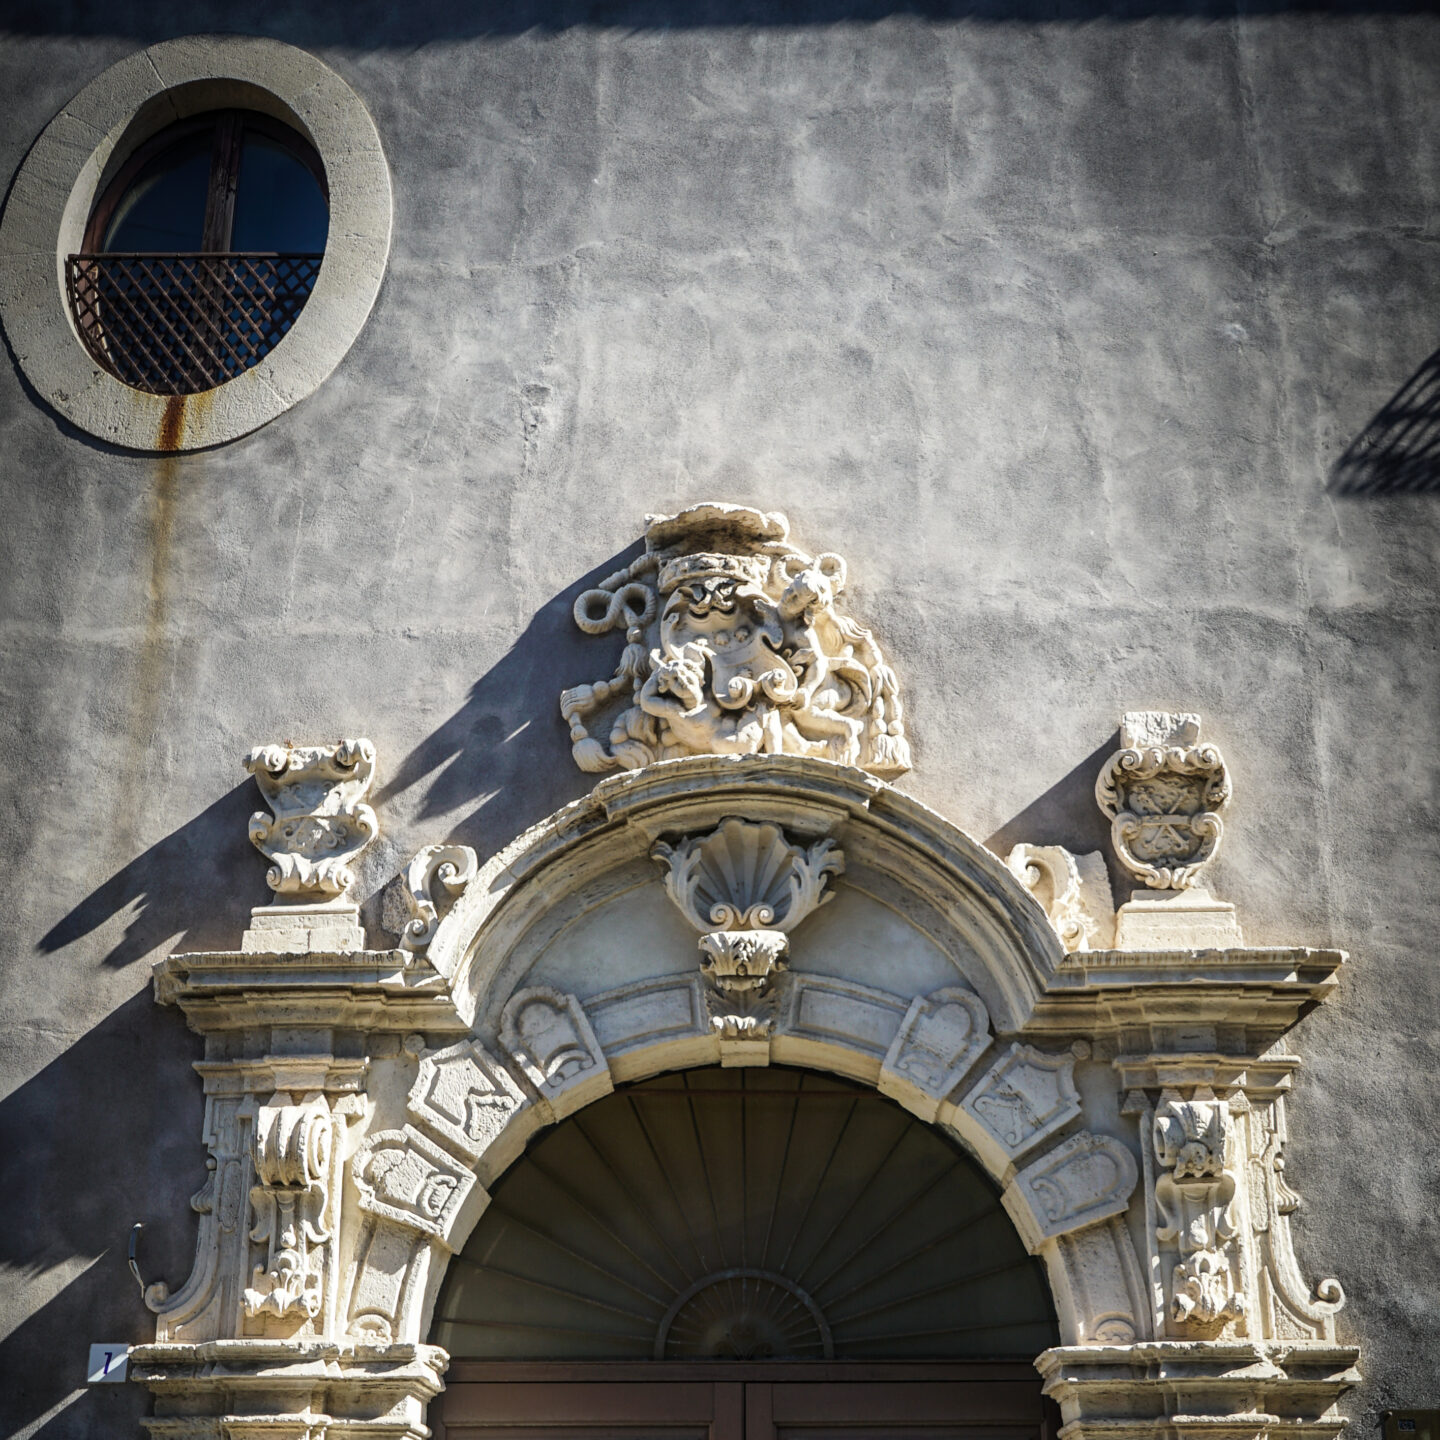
x: 1177, y: 920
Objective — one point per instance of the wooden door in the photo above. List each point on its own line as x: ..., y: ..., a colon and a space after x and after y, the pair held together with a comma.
x: 742, y: 1401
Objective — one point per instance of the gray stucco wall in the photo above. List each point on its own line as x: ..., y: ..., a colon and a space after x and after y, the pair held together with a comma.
x: 1055, y: 328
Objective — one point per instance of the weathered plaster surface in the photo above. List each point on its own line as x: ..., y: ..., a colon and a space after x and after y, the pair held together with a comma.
x: 1055, y: 331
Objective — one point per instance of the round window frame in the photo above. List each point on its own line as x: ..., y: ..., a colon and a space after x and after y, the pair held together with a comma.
x: 76, y: 158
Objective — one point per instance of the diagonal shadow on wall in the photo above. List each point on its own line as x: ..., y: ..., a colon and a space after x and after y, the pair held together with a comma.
x: 1066, y: 814
x: 1398, y: 452
x: 207, y: 910
x: 106, y: 1134
x: 508, y: 738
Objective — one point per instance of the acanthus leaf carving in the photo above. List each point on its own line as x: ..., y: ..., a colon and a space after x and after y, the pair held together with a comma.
x: 292, y: 1153
x: 735, y: 645
x: 320, y: 822
x: 452, y: 867
x: 1163, y: 792
x: 745, y: 886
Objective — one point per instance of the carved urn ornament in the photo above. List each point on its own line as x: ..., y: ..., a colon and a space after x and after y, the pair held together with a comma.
x: 1163, y: 792
x: 735, y: 645
x: 745, y: 886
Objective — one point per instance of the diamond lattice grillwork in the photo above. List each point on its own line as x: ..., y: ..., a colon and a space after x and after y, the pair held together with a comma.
x: 179, y: 324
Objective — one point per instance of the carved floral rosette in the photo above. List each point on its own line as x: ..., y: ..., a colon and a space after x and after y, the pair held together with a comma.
x: 320, y: 822
x: 1163, y: 792
x: 735, y: 645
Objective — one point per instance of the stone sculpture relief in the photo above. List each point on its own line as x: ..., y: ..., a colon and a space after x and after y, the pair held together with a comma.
x: 940, y: 1039
x: 1163, y: 792
x: 402, y: 1176
x: 452, y: 867
x: 1025, y: 1097
x: 550, y: 1038
x: 319, y: 826
x: 1073, y: 890
x: 465, y: 1096
x: 745, y: 886
x: 1195, y: 1196
x: 320, y: 822
x: 735, y: 645
x: 1085, y: 1180
x: 293, y: 1146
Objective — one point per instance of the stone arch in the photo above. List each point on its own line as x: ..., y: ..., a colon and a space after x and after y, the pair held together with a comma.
x: 574, y: 972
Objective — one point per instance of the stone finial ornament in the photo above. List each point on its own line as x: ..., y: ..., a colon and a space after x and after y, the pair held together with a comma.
x: 452, y: 867
x: 734, y: 646
x: 320, y: 822
x: 1163, y: 792
x: 319, y: 826
x: 745, y: 886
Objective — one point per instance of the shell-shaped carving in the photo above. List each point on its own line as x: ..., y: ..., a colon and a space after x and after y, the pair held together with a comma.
x: 747, y: 876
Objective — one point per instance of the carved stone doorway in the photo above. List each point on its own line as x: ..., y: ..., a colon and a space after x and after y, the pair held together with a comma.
x: 743, y: 1252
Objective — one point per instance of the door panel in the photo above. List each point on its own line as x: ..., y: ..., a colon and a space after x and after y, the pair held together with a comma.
x: 914, y: 1410
x: 589, y: 1411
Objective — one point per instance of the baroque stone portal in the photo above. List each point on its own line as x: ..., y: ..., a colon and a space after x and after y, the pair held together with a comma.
x: 734, y: 646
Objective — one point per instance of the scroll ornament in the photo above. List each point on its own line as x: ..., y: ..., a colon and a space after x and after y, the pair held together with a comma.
x: 320, y: 822
x: 452, y: 867
x: 1163, y: 792
x: 735, y: 645
x: 745, y: 886
x: 293, y: 1148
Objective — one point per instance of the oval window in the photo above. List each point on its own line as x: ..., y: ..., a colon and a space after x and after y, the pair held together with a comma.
x: 201, y: 252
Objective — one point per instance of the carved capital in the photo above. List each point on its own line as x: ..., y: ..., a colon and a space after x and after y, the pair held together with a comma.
x: 320, y: 822
x: 735, y: 645
x: 1163, y: 792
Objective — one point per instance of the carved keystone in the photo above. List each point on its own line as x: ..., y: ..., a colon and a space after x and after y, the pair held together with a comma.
x: 744, y: 886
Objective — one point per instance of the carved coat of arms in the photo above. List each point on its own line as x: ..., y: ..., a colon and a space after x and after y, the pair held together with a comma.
x: 735, y: 645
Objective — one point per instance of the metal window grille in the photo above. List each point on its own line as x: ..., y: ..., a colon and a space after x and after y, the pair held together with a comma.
x: 179, y: 324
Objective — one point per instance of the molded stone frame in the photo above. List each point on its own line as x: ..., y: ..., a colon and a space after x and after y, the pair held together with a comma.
x: 79, y: 152
x: 934, y: 976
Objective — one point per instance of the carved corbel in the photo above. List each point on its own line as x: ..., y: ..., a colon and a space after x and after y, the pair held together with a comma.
x: 1198, y: 1231
x: 293, y: 1148
x: 745, y: 886
x: 318, y: 828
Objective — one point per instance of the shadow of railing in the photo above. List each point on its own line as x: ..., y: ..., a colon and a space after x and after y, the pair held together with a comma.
x: 1398, y: 452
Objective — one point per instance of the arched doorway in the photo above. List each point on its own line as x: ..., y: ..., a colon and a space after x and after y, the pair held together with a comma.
x: 743, y: 1252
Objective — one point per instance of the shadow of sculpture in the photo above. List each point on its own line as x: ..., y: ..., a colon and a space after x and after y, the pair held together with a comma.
x: 1066, y: 814
x: 1398, y: 452
x: 508, y: 739
x: 106, y: 1134
x: 182, y: 885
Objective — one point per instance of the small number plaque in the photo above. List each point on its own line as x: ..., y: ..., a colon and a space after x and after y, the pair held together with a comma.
x: 108, y: 1363
x: 1412, y: 1425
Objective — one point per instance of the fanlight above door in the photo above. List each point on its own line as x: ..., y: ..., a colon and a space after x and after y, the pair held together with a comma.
x: 744, y: 1214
